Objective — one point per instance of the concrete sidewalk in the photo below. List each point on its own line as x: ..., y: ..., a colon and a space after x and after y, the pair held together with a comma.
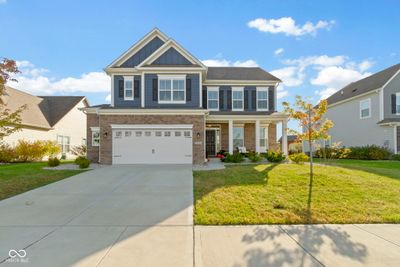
x: 297, y: 245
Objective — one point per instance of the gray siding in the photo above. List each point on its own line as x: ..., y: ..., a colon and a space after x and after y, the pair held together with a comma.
x: 143, y: 53
x: 392, y: 88
x: 119, y: 101
x: 250, y: 97
x: 171, y: 57
x: 194, y: 103
x: 352, y: 131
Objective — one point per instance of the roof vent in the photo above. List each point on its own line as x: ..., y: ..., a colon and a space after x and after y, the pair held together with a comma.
x: 355, y: 89
x: 341, y: 92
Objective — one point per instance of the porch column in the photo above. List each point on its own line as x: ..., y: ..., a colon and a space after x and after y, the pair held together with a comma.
x: 257, y: 136
x: 284, y: 137
x: 230, y: 136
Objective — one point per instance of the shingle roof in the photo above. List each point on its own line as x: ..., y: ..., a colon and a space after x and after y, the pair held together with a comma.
x: 41, y: 111
x: 240, y: 73
x: 389, y: 120
x: 365, y: 85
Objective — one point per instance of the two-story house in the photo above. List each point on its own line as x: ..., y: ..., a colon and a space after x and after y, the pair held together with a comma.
x: 167, y: 107
x: 367, y: 112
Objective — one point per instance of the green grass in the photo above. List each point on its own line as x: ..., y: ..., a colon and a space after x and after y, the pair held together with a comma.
x: 278, y: 194
x: 17, y: 178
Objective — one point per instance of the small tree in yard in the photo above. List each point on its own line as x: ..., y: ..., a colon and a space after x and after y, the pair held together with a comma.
x: 315, y: 127
x: 9, y: 120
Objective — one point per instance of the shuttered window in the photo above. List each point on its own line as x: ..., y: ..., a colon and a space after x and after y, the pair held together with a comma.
x: 237, y: 98
x: 213, y: 98
x: 398, y: 103
x: 262, y: 98
x: 128, y: 87
x: 171, y: 89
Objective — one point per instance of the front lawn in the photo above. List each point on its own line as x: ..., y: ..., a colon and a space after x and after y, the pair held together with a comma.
x: 278, y: 194
x: 20, y: 177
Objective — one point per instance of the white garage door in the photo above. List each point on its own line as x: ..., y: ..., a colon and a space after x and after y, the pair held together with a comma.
x: 152, y: 144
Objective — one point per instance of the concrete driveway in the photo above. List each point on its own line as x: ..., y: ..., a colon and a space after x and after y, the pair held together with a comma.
x: 112, y: 216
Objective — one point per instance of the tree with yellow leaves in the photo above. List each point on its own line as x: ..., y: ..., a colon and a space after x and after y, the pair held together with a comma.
x: 314, y: 125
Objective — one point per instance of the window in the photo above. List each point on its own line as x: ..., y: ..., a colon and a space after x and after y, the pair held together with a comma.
x: 138, y: 134
x: 178, y: 134
x: 84, y: 141
x: 128, y: 87
x: 365, y: 108
x: 147, y: 133
x: 171, y: 89
x: 262, y: 99
x: 63, y: 142
x: 128, y: 133
x: 95, y: 136
x: 186, y: 133
x: 398, y: 103
x: 263, y: 137
x: 213, y: 98
x: 237, y: 98
x: 167, y: 134
x: 238, y: 137
x: 158, y: 133
x: 118, y: 135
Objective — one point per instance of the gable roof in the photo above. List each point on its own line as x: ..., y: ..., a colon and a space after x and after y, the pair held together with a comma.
x: 166, y: 47
x: 365, y: 85
x: 41, y: 111
x: 137, y: 46
x: 240, y: 73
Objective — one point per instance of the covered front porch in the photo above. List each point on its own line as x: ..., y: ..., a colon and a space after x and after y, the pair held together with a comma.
x: 244, y: 132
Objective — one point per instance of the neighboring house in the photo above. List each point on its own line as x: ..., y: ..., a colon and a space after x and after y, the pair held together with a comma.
x: 167, y: 107
x: 367, y: 112
x: 54, y: 118
x: 293, y: 146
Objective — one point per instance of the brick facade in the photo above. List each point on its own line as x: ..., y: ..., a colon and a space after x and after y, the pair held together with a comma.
x: 92, y: 151
x: 105, y: 121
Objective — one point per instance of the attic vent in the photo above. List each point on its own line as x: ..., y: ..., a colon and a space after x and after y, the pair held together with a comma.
x: 341, y: 92
x: 355, y: 89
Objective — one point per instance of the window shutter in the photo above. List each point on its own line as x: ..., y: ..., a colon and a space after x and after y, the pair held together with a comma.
x: 394, y: 104
x: 155, y: 90
x: 188, y: 89
x: 229, y: 99
x: 221, y: 99
x: 137, y: 89
x: 204, y: 98
x: 246, y: 99
x: 121, y: 88
x: 271, y: 98
x: 254, y: 99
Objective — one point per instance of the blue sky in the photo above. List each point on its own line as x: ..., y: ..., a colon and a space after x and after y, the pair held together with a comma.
x: 315, y: 47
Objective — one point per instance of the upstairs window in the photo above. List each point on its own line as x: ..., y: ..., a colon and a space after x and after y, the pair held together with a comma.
x: 171, y: 89
x: 365, y: 108
x: 237, y: 99
x: 128, y: 87
x: 262, y: 99
x: 398, y: 103
x: 213, y: 98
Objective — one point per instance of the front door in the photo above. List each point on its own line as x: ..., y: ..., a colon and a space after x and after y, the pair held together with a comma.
x: 210, y: 143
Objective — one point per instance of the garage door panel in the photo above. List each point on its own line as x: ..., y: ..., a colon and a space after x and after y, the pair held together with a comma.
x: 152, y: 146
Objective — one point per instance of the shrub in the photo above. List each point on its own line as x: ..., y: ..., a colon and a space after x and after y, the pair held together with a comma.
x: 299, y: 158
x: 7, y: 153
x: 333, y: 152
x: 275, y: 156
x: 30, y: 151
x: 79, y: 150
x: 236, y: 157
x: 84, y: 163
x: 396, y: 157
x: 79, y: 159
x: 53, y: 162
x: 372, y: 152
x: 254, y: 157
x: 52, y: 149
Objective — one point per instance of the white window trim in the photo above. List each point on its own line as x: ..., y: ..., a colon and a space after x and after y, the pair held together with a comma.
x: 262, y: 89
x: 264, y: 148
x: 238, y: 126
x: 95, y: 130
x: 238, y: 89
x: 369, y: 107
x: 129, y: 78
x: 213, y: 89
x: 63, y: 137
x: 172, y: 77
x: 397, y: 102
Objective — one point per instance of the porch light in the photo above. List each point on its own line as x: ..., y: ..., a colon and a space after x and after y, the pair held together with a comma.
x: 198, y: 135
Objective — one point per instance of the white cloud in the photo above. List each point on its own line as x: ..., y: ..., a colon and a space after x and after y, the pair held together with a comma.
x: 337, y: 77
x: 281, y: 92
x: 228, y: 63
x: 317, y: 61
x: 108, y: 98
x: 290, y: 76
x: 279, y: 51
x: 365, y: 65
x: 288, y: 26
x: 324, y: 94
x: 36, y: 81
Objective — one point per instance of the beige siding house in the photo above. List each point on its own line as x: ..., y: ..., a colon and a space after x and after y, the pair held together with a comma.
x: 54, y: 118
